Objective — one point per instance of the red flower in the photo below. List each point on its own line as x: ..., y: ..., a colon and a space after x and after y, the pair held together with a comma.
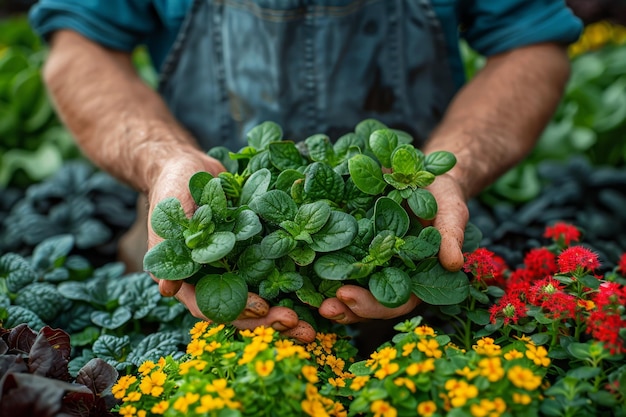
x: 606, y: 322
x: 621, y: 265
x: 577, y: 259
x: 519, y: 281
x: 560, y: 306
x: 484, y: 265
x: 562, y: 233
x: 540, y: 262
x: 542, y: 290
x: 510, y: 308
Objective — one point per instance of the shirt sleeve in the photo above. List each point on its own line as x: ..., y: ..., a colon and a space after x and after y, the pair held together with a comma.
x: 117, y: 24
x: 491, y: 27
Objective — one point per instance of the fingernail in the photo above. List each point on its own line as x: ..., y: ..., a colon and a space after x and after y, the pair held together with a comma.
x: 349, y: 302
x: 338, y: 317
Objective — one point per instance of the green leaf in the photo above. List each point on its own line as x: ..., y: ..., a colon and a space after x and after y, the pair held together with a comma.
x: 389, y: 215
x: 320, y: 149
x: 155, y: 346
x: 579, y: 350
x: 18, y: 315
x: 213, y: 195
x: 406, y: 160
x: 338, y: 232
x: 368, y: 126
x: 262, y: 135
x: 383, y: 142
x: 439, y: 162
x: 197, y: 182
x: 253, y: 266
x: 391, y: 287
x: 201, y: 219
x: 168, y: 219
x: 274, y: 206
x: 382, y: 247
x: 52, y: 252
x: 285, y: 155
x: 170, y: 259
x: 308, y: 294
x: 423, y: 204
x: 366, y: 174
x: 322, y: 182
x: 17, y: 272
x: 313, y: 216
x: 247, y: 224
x: 111, y: 320
x: 438, y: 286
x: 277, y: 244
x: 302, y: 255
x: 334, y: 266
x: 111, y: 348
x: 584, y: 372
x: 214, y: 248
x: 423, y: 246
x: 290, y: 282
x: 257, y: 184
x: 286, y: 179
x: 222, y: 298
x: 43, y: 299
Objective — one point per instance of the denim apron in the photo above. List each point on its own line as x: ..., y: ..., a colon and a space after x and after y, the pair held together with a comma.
x: 312, y: 66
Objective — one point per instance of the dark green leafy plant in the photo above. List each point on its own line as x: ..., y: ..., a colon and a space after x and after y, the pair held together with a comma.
x: 294, y: 222
x: 117, y: 317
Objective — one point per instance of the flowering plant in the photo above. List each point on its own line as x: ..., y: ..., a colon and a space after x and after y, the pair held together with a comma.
x: 547, y: 338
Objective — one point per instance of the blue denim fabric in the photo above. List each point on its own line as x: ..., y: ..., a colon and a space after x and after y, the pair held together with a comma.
x: 310, y: 66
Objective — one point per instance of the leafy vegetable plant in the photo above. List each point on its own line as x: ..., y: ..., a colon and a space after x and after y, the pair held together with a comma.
x: 294, y: 222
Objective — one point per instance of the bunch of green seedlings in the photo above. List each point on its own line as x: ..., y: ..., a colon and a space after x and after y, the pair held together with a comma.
x: 295, y: 221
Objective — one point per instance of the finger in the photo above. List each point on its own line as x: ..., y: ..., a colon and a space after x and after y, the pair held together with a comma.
x: 302, y: 333
x: 451, y: 249
x: 255, y: 307
x: 278, y: 318
x: 354, y: 304
x: 169, y: 288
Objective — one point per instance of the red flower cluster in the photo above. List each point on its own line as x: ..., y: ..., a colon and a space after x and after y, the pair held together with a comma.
x: 605, y: 322
x: 562, y: 233
x: 577, y: 260
x: 484, y: 265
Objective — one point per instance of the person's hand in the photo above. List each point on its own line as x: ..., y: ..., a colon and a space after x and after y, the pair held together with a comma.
x: 173, y: 182
x: 353, y: 304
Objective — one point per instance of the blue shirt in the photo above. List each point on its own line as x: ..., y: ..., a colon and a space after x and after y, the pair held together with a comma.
x: 489, y: 26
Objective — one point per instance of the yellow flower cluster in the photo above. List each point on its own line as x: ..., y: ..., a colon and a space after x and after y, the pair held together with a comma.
x: 597, y: 35
x: 490, y: 380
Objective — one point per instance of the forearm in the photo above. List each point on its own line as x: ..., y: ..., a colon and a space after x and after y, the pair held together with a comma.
x: 119, y: 122
x: 497, y: 118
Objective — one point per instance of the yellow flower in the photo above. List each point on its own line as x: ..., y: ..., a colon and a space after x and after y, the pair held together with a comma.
x: 382, y: 408
x: 153, y: 384
x: 132, y: 397
x: 430, y: 348
x: 468, y: 373
x: 196, y: 364
x: 198, y: 329
x: 424, y: 331
x: 488, y: 408
x: 264, y: 368
x: 405, y: 382
x: 142, y: 413
x: 213, y: 346
x: 229, y: 355
x: 523, y: 399
x: 182, y: 403
x: 491, y: 368
x: 408, y: 349
x: 486, y: 346
x: 160, y: 407
x: 523, y: 378
x: 386, y: 370
x: 120, y: 387
x: 426, y: 408
x: 588, y: 305
x: 415, y: 368
x: 310, y: 373
x: 383, y: 356
x: 538, y: 354
x: 128, y: 411
x: 264, y: 334
x: 196, y: 347
x: 246, y: 333
x: 513, y: 354
x: 336, y: 364
x: 146, y: 367
x: 327, y: 341
x: 337, y: 382
x: 209, y: 403
x: 359, y: 382
x: 460, y: 391
x: 214, y: 330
